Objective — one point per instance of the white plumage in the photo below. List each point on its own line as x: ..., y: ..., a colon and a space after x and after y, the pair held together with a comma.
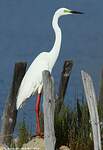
x: 32, y: 80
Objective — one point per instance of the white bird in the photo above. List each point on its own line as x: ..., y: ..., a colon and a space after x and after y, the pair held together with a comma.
x: 32, y: 81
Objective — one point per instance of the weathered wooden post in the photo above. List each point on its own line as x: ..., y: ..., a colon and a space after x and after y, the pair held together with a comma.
x: 48, y: 108
x: 92, y: 105
x: 65, y: 75
x: 101, y: 89
x: 10, y: 112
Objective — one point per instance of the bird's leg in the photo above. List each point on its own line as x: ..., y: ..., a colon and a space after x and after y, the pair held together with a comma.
x: 37, y: 109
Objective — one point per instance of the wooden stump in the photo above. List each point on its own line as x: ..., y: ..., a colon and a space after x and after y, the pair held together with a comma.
x: 65, y: 75
x: 48, y: 108
x: 92, y: 105
x: 10, y: 112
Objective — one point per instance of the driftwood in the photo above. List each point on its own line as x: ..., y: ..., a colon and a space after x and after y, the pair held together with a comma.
x: 10, y: 112
x: 48, y: 108
x: 65, y: 75
x: 92, y: 105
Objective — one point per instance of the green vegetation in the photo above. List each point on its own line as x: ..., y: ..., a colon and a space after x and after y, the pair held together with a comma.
x: 73, y: 128
x: 23, y: 134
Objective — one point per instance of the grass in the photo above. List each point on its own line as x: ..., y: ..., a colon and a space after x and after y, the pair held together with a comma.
x: 72, y: 127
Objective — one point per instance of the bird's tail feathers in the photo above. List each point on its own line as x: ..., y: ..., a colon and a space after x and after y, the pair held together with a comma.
x: 18, y: 105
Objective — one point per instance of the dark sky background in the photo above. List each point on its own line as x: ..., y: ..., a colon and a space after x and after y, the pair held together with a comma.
x: 25, y: 31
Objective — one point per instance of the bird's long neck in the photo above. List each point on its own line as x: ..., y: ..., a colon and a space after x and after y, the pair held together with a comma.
x: 56, y: 48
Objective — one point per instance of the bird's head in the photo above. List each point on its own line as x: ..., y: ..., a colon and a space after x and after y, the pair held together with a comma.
x: 65, y: 11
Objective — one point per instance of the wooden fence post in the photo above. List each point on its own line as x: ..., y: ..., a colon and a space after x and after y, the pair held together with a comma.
x: 48, y: 108
x: 65, y: 75
x: 10, y: 112
x: 101, y: 89
x: 92, y: 105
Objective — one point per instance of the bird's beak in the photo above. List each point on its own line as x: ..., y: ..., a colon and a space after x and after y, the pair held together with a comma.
x: 76, y: 12
x: 67, y: 11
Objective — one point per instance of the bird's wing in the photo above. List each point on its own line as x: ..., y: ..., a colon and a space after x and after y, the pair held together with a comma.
x: 32, y: 79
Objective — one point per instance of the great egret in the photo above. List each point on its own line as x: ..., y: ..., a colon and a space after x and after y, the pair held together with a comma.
x: 32, y: 81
